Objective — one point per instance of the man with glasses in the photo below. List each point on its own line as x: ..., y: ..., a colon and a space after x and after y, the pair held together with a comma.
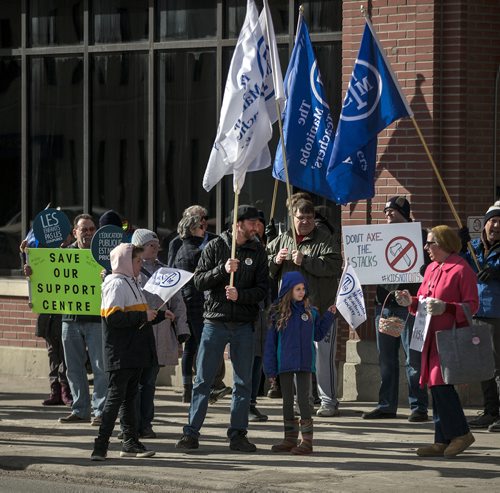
x: 82, y: 334
x: 318, y: 259
x: 397, y: 210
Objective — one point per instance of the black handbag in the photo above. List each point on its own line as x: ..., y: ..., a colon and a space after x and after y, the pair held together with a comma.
x: 466, y: 353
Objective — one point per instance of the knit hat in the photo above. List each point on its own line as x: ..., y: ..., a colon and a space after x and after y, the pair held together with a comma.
x: 143, y: 236
x: 110, y: 217
x: 246, y: 212
x: 399, y: 204
x: 493, y: 211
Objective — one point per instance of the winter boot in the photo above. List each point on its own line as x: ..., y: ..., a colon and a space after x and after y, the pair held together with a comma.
x: 291, y: 436
x: 186, y: 394
x: 306, y: 443
x: 54, y: 398
x: 100, y: 450
x: 66, y: 396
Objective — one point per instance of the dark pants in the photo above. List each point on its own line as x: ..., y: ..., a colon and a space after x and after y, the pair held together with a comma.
x: 121, y: 397
x: 189, y: 353
x: 303, y: 391
x: 256, y: 378
x: 55, y: 351
x: 145, y: 409
x: 447, y: 413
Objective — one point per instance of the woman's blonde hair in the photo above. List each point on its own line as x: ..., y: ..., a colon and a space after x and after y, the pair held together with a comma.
x: 281, y: 311
x: 446, y: 238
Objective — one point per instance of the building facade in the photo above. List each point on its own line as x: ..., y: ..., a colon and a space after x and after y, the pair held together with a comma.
x: 115, y: 104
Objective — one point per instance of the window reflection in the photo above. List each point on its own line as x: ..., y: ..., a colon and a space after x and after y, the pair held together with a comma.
x: 10, y: 24
x: 186, y: 19
x: 321, y: 15
x: 186, y: 125
x: 119, y: 21
x: 235, y: 11
x: 55, y: 22
x: 10, y: 162
x: 119, y: 127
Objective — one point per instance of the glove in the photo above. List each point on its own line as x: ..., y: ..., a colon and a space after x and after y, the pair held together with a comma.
x: 183, y: 338
x: 435, y: 306
x: 403, y: 298
x: 484, y: 275
x: 464, y: 235
x: 271, y: 231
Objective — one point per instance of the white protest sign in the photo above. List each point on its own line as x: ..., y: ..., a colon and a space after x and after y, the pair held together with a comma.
x: 385, y: 253
x: 350, y: 300
x: 420, y: 327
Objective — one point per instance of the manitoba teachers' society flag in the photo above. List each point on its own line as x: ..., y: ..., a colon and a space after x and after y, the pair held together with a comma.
x: 350, y: 300
x: 165, y: 282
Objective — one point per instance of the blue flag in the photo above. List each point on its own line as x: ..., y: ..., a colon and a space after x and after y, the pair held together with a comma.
x: 372, y: 102
x: 307, y: 123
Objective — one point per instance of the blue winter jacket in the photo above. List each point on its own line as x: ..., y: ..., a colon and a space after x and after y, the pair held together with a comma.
x: 292, y: 349
x: 489, y: 291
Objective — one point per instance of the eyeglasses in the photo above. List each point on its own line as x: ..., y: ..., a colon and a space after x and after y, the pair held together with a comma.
x: 429, y: 243
x: 304, y: 219
x: 86, y: 230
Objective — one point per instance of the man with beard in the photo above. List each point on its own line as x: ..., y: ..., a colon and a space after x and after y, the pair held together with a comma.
x: 229, y: 316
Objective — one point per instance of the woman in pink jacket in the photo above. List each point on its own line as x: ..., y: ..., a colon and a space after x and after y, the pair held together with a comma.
x: 448, y: 283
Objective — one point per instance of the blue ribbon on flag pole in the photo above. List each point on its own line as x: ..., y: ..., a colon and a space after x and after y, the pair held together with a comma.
x: 372, y: 102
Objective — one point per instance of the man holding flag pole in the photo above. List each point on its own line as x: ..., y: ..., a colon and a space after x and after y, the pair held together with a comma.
x: 233, y: 268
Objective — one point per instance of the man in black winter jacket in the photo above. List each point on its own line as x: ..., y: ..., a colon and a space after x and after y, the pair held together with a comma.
x: 229, y: 315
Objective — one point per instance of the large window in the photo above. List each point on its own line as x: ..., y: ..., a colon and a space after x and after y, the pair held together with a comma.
x: 55, y: 22
x: 10, y: 162
x: 119, y: 135
x: 55, y: 132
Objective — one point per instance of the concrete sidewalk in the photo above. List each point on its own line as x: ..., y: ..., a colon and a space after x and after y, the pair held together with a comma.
x: 350, y: 454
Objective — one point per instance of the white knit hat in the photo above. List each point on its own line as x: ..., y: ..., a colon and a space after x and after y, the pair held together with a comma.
x: 493, y: 211
x: 143, y: 236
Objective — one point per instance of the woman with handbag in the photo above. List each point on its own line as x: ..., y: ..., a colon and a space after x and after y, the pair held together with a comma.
x: 448, y: 283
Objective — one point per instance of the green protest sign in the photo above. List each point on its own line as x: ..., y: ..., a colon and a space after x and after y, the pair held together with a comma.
x: 65, y: 280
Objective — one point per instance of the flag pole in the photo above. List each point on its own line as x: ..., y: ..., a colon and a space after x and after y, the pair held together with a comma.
x: 273, y: 202
x: 280, y: 126
x: 235, y: 228
x: 417, y: 128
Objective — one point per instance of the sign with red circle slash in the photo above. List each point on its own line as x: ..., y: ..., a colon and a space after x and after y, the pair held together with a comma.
x: 401, y: 254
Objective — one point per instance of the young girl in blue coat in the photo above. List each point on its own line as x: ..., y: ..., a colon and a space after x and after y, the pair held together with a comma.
x: 290, y: 352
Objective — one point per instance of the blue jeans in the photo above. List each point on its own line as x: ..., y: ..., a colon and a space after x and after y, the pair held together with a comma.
x: 78, y: 338
x: 388, y: 357
x: 214, y: 338
x: 447, y: 414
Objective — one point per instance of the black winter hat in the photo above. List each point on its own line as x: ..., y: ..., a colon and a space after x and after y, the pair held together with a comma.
x: 493, y: 211
x: 399, y: 204
x: 246, y: 212
x: 110, y: 217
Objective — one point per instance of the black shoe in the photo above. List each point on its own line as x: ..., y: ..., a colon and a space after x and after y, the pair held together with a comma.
x: 274, y: 392
x: 120, y: 435
x: 418, y: 417
x: 147, y: 433
x: 255, y: 415
x: 240, y: 443
x: 187, y: 442
x: 100, y: 450
x: 378, y: 414
x: 134, y: 448
x: 482, y: 421
x: 217, y: 394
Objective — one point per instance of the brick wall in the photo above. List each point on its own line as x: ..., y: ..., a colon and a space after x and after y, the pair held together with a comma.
x: 17, y: 323
x: 445, y: 56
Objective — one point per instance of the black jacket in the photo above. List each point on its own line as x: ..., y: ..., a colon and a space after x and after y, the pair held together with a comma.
x: 187, y: 258
x: 251, y: 279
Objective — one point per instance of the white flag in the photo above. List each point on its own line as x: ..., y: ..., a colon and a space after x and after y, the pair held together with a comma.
x: 350, y: 300
x: 274, y: 78
x: 165, y: 282
x: 244, y: 127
